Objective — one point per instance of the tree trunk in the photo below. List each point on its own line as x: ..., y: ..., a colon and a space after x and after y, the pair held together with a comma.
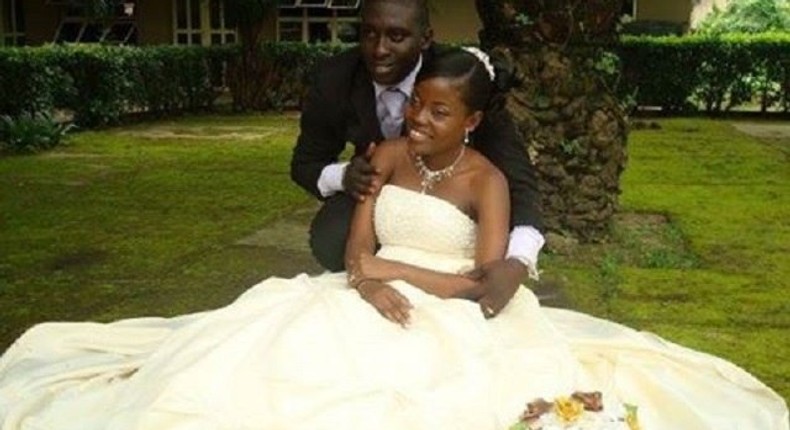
x: 562, y: 96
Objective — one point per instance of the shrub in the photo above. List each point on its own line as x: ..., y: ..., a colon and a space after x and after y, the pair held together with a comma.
x: 712, y: 73
x: 28, y: 133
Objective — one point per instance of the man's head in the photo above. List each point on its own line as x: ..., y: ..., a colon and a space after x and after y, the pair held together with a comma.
x: 394, y: 32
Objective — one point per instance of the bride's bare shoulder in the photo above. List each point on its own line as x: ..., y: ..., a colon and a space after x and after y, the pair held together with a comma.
x: 388, y: 152
x: 485, y: 172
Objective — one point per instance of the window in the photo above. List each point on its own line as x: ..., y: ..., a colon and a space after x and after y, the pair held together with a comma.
x: 120, y: 27
x: 201, y: 23
x: 12, y: 23
x: 314, y: 21
x: 629, y: 8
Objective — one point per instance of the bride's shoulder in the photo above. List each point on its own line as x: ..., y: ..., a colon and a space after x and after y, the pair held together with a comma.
x: 387, y: 151
x: 388, y: 155
x: 483, y: 171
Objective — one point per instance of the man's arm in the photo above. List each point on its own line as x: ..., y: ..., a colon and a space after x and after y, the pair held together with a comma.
x: 499, y: 140
x: 320, y: 141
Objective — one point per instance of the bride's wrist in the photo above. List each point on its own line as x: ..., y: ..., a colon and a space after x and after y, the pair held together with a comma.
x: 361, y: 285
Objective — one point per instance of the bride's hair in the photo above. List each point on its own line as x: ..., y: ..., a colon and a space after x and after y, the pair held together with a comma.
x: 459, y: 64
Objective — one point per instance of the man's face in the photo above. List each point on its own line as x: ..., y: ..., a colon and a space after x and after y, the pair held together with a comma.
x: 391, y: 40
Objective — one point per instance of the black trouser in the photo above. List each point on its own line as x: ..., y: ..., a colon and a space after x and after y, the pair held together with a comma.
x: 329, y: 231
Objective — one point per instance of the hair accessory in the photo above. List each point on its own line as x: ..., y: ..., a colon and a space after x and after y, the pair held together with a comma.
x: 483, y: 57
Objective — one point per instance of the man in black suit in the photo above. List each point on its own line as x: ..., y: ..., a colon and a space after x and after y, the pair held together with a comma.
x: 345, y: 105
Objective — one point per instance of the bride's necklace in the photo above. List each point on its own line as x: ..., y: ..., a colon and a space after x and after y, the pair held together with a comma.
x: 428, y: 177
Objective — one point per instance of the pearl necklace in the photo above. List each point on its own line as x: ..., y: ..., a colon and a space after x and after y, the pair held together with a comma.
x: 429, y: 177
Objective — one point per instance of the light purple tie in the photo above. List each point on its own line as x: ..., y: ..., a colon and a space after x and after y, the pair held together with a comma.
x: 391, y: 111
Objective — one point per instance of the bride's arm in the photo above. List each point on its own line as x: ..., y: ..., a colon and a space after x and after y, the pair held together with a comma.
x: 492, y: 204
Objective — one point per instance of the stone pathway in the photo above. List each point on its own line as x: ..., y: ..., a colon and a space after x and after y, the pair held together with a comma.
x: 764, y: 130
x: 284, y: 242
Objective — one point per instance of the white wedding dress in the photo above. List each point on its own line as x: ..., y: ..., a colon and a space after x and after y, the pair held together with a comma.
x: 309, y: 353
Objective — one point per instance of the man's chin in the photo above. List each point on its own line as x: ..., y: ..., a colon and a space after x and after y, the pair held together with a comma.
x: 384, y: 76
x: 385, y: 79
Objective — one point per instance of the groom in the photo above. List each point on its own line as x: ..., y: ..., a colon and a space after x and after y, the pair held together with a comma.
x: 358, y: 97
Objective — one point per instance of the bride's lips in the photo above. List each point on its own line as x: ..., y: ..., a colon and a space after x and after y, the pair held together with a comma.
x: 418, y: 135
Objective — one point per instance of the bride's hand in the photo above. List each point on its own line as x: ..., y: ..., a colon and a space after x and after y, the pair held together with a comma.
x: 371, y: 267
x: 388, y: 301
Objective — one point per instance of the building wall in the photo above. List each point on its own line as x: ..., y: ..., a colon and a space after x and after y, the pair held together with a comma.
x: 455, y: 20
x: 155, y: 21
x: 664, y: 10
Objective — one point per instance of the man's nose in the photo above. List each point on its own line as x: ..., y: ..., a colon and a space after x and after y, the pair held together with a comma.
x: 382, y: 47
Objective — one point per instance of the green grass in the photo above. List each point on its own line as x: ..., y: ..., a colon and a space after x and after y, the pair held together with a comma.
x: 713, y: 275
x: 141, y: 220
x: 119, y: 224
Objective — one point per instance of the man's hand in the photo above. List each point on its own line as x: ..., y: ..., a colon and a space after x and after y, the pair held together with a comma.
x: 361, y: 178
x: 500, y: 280
x: 390, y: 303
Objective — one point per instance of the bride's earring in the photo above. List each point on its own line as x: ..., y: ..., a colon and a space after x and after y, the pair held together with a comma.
x: 466, y: 137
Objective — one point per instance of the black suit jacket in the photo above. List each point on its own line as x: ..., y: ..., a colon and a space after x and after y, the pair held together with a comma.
x: 341, y: 108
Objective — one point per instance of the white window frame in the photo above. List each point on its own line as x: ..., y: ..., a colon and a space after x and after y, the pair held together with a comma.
x: 334, y: 21
x: 226, y: 34
x: 11, y: 34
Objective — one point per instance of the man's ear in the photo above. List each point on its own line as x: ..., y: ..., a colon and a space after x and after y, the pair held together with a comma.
x: 427, y: 38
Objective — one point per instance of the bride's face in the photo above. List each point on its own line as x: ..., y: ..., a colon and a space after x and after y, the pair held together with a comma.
x: 437, y: 118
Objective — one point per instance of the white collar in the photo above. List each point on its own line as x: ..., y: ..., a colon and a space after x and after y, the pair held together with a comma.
x: 406, y: 86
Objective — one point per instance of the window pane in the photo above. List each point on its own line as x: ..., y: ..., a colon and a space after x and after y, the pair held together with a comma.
x: 69, y: 31
x: 216, y: 39
x: 92, y: 33
x: 181, y: 14
x: 75, y: 11
x: 181, y: 39
x: 628, y: 8
x: 319, y: 12
x: 196, y: 39
x: 7, y: 19
x: 318, y: 32
x: 348, y: 4
x: 314, y: 3
x: 348, y: 32
x: 347, y: 12
x: 291, y: 31
x: 194, y: 14
x: 230, y: 38
x: 121, y: 32
x: 296, y: 13
x: 20, y: 16
x: 214, y: 14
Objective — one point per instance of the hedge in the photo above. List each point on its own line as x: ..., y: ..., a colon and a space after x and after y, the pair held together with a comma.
x: 101, y: 84
x: 712, y: 74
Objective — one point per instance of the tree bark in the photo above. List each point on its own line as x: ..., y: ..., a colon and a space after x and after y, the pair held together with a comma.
x: 561, y: 82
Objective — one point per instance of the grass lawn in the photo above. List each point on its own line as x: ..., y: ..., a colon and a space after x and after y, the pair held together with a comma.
x: 143, y: 220
x: 700, y: 255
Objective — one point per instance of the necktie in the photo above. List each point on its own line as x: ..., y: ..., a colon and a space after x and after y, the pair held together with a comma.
x: 391, y: 115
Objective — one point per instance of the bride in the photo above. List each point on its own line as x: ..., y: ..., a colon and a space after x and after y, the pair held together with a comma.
x: 393, y: 344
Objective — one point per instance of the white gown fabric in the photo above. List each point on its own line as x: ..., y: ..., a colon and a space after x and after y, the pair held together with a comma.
x: 308, y: 353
